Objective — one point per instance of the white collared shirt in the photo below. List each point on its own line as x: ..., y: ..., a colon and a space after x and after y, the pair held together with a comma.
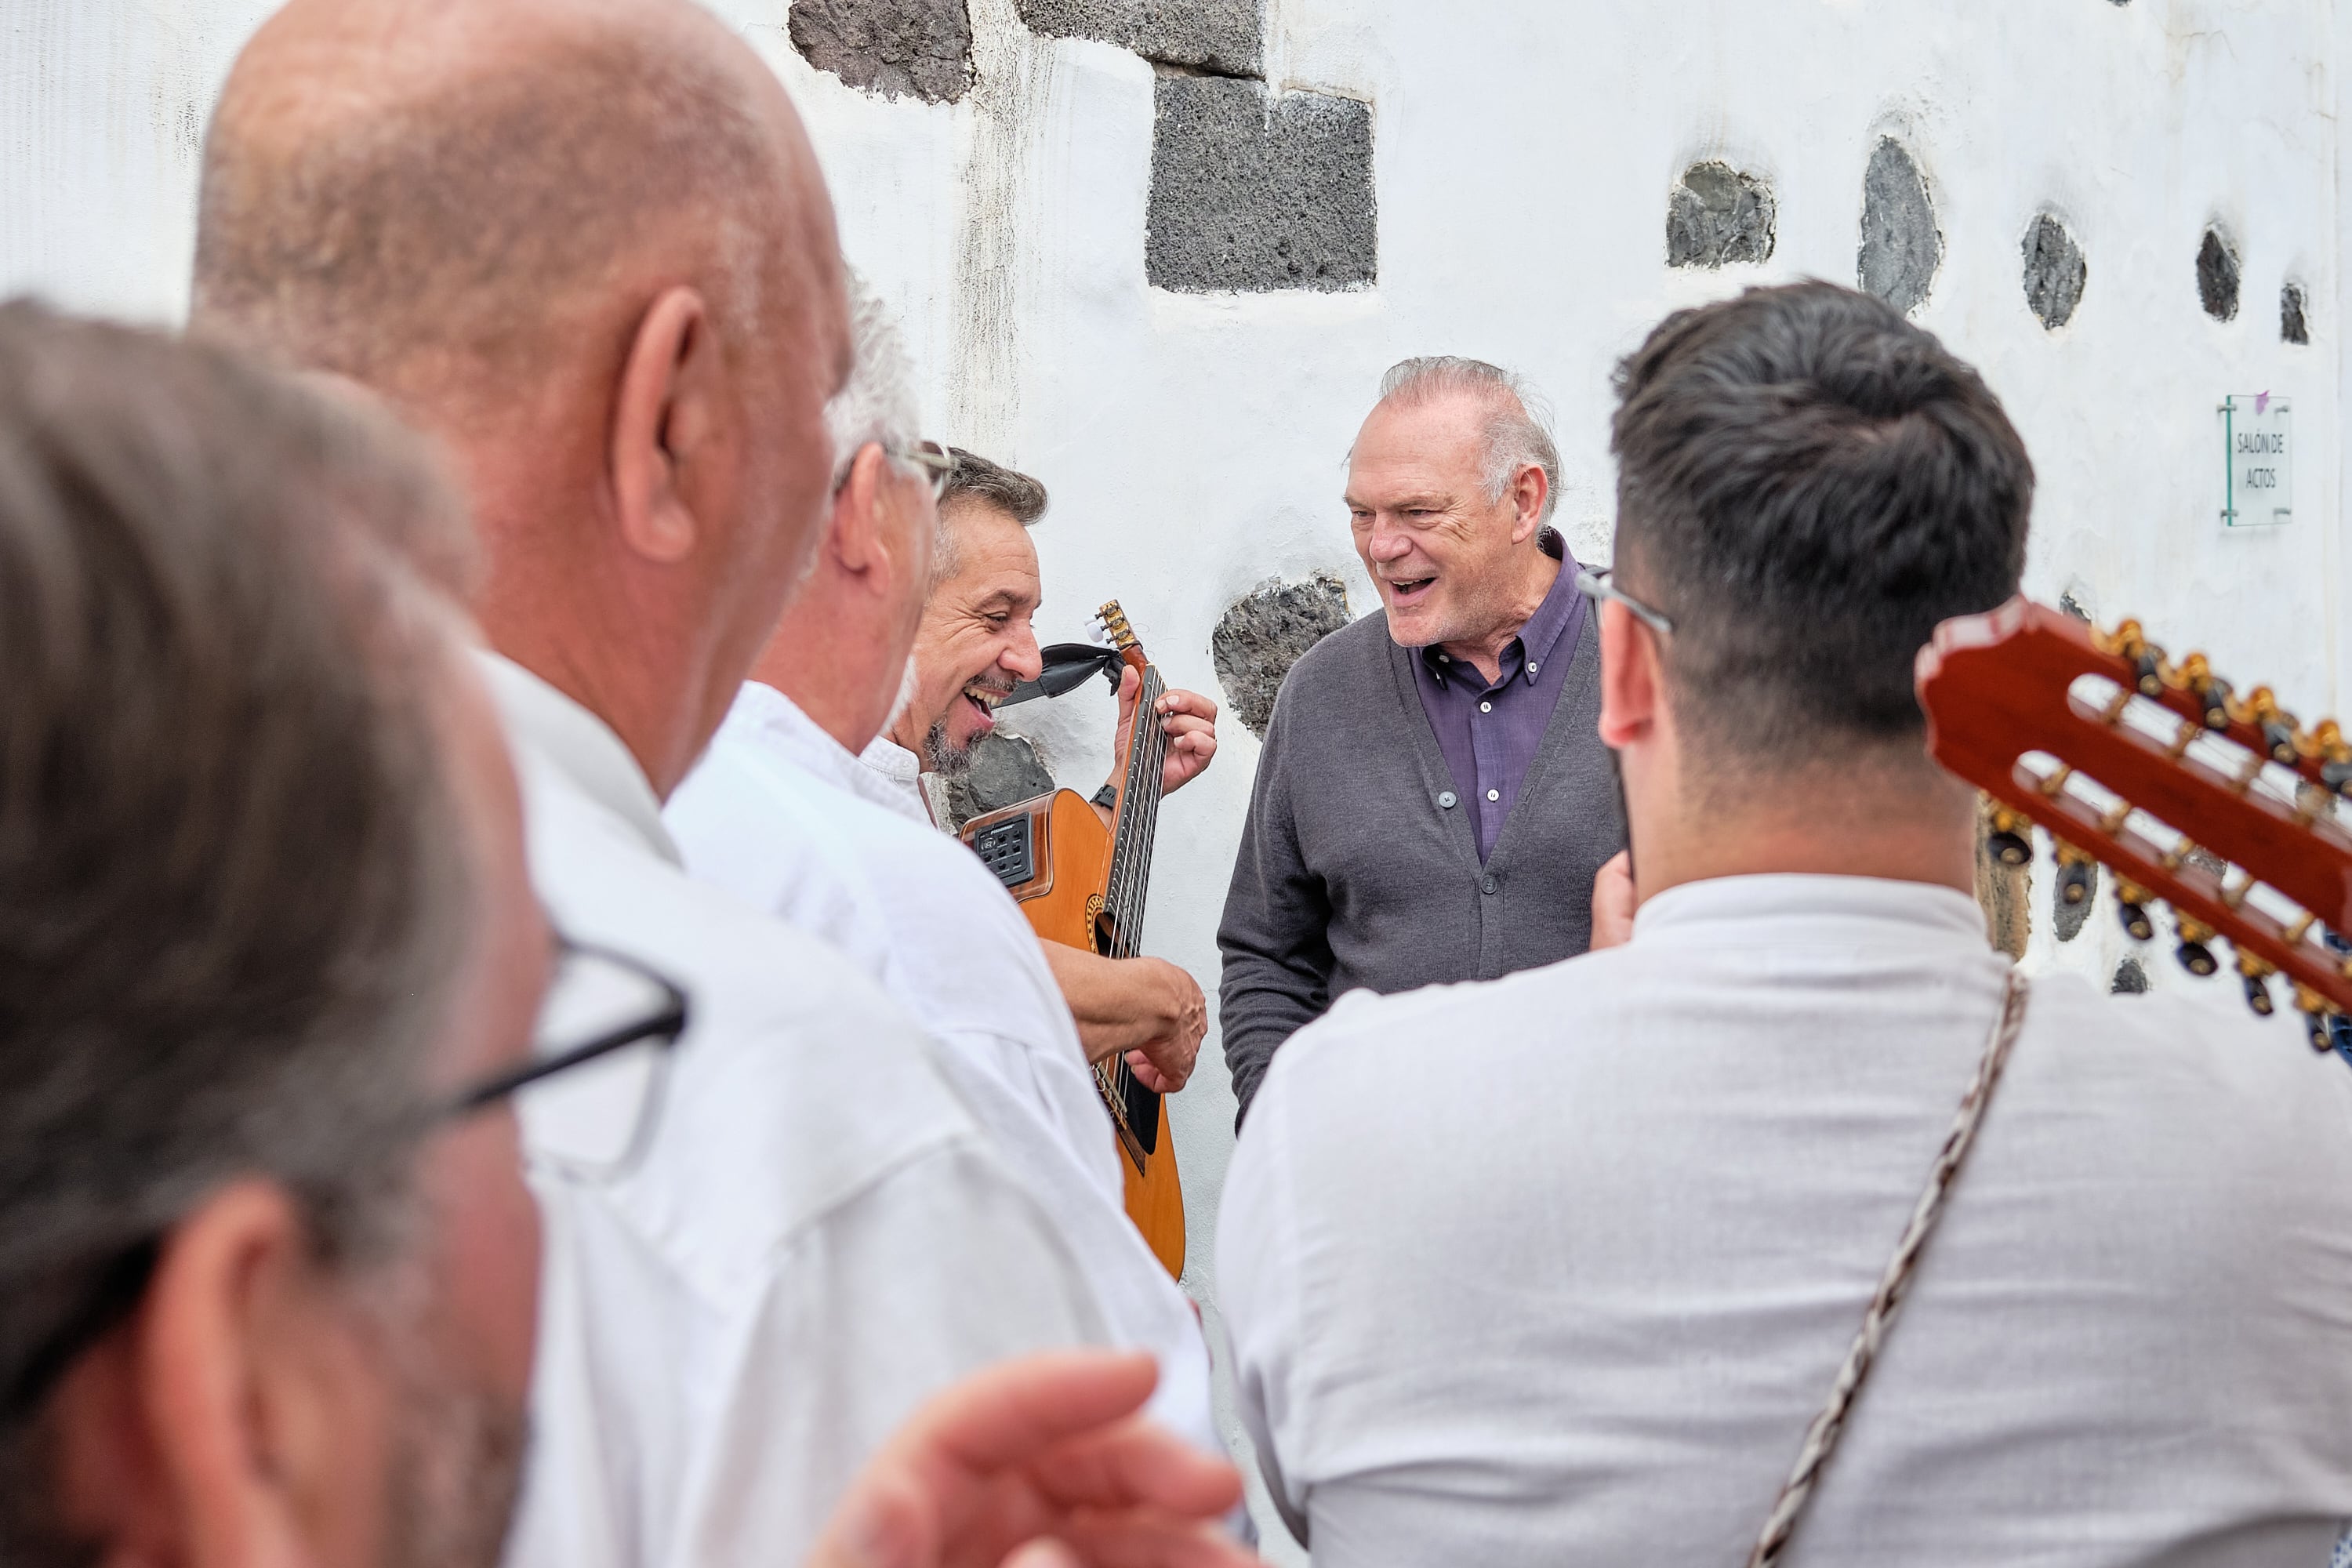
x: 779, y: 814
x: 1557, y: 1268
x: 818, y: 1238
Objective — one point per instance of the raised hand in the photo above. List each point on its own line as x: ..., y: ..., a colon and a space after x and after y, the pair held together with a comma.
x: 1038, y: 1463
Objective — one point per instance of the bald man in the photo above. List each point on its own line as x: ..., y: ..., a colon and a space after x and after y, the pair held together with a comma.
x: 587, y: 245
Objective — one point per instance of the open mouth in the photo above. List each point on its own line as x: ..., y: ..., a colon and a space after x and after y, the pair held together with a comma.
x: 1409, y: 592
x: 984, y: 701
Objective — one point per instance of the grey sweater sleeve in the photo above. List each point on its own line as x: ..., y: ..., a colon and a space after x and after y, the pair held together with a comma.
x: 1277, y: 957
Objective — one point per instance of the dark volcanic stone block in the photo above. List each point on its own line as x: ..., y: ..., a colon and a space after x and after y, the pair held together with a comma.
x: 2294, y: 327
x: 1901, y: 246
x: 1220, y: 36
x: 1005, y: 772
x: 2054, y: 272
x: 1252, y: 192
x: 1717, y: 214
x: 1263, y: 634
x: 2217, y: 277
x: 890, y: 47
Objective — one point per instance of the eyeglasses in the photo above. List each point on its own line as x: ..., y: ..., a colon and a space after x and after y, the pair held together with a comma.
x: 1595, y: 585
x: 936, y: 461
x: 592, y: 1092
x: 588, y: 1110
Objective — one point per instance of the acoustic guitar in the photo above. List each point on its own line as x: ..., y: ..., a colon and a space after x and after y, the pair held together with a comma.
x: 1084, y: 886
x: 2220, y: 804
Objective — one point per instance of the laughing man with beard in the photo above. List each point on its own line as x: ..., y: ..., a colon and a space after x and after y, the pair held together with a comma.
x: 975, y: 643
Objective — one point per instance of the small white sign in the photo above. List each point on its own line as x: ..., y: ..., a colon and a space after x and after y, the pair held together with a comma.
x: 2258, y: 462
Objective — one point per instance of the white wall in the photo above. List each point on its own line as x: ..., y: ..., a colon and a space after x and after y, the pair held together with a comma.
x: 1525, y: 149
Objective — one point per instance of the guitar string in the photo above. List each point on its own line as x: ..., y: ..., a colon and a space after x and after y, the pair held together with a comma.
x: 1131, y: 846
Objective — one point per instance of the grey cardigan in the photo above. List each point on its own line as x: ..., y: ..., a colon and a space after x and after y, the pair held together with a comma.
x: 1350, y: 873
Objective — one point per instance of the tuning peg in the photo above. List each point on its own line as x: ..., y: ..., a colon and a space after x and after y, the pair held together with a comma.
x: 2077, y: 875
x: 2194, y: 954
x: 2336, y: 757
x: 2131, y: 903
x: 2318, y: 1016
x: 2212, y: 692
x: 2009, y: 841
x: 2256, y: 975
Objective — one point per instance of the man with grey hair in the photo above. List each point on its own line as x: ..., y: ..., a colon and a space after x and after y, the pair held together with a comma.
x: 1432, y: 802
x: 781, y: 813
x: 270, y: 984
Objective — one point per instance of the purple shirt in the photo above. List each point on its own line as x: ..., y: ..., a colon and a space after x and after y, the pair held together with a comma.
x: 1490, y: 733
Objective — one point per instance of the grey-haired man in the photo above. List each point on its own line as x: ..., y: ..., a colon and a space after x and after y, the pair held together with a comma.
x: 1432, y: 802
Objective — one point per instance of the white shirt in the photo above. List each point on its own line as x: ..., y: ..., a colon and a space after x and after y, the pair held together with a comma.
x: 1558, y: 1268
x: 818, y: 1238
x: 780, y: 814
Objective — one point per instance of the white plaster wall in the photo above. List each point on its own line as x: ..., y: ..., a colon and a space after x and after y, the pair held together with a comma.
x: 1524, y: 149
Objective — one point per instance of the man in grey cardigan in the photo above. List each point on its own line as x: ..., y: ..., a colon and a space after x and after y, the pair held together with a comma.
x: 1434, y: 801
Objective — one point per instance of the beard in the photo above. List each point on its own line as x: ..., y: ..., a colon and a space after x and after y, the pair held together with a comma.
x: 943, y: 756
x: 456, y: 1457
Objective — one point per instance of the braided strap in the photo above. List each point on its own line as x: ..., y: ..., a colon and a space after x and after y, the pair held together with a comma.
x: 1821, y: 1438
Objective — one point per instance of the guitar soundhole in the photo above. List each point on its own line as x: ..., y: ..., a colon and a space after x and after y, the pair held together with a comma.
x: 1006, y: 850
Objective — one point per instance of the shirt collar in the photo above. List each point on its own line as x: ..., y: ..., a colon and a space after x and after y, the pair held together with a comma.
x: 903, y: 771
x: 567, y: 737
x: 1562, y: 606
x: 765, y: 717
x: 1788, y: 905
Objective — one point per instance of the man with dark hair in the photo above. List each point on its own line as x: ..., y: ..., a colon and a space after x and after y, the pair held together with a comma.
x: 1432, y: 803
x: 270, y: 983
x: 1587, y: 1275
x: 977, y: 639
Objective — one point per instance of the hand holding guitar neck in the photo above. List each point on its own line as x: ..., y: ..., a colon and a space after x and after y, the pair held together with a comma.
x: 2222, y: 805
x: 1189, y: 720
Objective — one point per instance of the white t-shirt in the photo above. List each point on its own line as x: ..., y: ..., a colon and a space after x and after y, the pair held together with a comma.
x: 780, y: 814
x: 1558, y: 1268
x: 818, y: 1238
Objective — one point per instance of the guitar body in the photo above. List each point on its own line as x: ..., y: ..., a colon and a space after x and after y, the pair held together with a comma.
x: 1060, y: 852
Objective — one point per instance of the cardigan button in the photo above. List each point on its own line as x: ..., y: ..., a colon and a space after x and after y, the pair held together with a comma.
x: 1446, y: 800
x: 1487, y: 884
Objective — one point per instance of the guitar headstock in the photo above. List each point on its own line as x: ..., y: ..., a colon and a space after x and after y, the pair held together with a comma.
x: 2220, y: 804
x: 1113, y: 621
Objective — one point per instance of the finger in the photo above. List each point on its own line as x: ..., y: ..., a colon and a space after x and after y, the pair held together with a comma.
x: 1011, y: 1412
x: 1143, y: 1541
x: 1190, y: 702
x: 886, y: 1520
x: 1147, y: 1074
x: 1044, y: 1554
x: 1136, y: 1461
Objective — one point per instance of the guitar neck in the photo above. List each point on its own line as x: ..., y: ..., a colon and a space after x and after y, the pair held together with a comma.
x: 1138, y: 817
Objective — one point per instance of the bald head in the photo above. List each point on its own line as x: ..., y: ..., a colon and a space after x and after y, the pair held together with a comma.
x: 586, y: 243
x: 438, y: 197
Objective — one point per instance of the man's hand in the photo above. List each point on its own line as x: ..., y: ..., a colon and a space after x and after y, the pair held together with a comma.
x: 1147, y: 1007
x: 1190, y: 722
x: 1612, y: 901
x: 1038, y: 1463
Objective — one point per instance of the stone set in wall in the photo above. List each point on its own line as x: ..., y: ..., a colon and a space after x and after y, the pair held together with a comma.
x: 1716, y: 215
x: 1252, y: 191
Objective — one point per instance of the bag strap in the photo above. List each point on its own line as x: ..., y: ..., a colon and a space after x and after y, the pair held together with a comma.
x: 1821, y: 1438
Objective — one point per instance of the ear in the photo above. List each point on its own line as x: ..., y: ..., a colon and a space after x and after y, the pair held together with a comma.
x: 1631, y: 681
x: 1528, y: 492
x: 237, y: 1421
x: 664, y: 417
x: 858, y: 532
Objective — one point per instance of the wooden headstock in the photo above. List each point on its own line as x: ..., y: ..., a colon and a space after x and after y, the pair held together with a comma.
x: 1122, y: 636
x: 2162, y: 772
